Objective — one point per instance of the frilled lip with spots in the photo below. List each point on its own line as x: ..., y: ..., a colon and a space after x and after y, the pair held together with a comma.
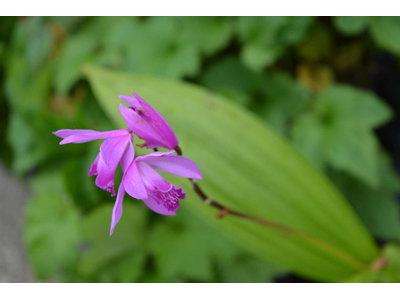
x: 111, y: 152
x: 142, y: 182
x: 147, y: 123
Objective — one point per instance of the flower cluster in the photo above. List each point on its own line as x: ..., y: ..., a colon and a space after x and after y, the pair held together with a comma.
x: 140, y: 180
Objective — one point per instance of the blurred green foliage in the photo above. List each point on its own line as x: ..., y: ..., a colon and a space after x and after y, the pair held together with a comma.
x: 304, y: 76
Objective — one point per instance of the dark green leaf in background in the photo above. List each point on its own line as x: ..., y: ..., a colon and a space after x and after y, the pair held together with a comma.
x: 119, y: 258
x: 265, y: 38
x: 156, y: 49
x: 342, y: 124
x: 285, y: 99
x: 52, y: 228
x: 351, y: 25
x: 378, y: 208
x: 208, y: 34
x: 386, y: 32
x: 232, y: 79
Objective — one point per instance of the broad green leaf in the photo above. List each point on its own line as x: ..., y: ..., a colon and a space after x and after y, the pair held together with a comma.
x: 386, y: 32
x: 391, y: 271
x: 385, y: 269
x: 351, y: 25
x: 51, y: 231
x: 369, y: 276
x: 248, y: 167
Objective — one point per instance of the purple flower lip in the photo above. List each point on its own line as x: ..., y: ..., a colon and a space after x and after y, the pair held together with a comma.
x: 147, y: 123
x: 141, y: 181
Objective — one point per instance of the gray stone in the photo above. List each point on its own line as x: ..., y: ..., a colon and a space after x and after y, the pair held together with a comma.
x: 13, y: 263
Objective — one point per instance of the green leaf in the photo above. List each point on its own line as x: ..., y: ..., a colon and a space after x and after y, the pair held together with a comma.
x: 248, y: 167
x: 231, y: 78
x: 265, y: 38
x: 116, y: 258
x: 51, y: 232
x: 369, y: 276
x: 39, y: 47
x: 248, y: 269
x: 77, y: 50
x: 386, y: 32
x: 391, y: 271
x: 21, y: 138
x: 308, y: 136
x: 386, y: 269
x: 377, y: 208
x: 285, y: 99
x: 209, y: 34
x: 159, y: 51
x: 341, y: 114
x: 351, y: 25
x: 257, y: 57
x: 295, y: 29
x: 187, y: 247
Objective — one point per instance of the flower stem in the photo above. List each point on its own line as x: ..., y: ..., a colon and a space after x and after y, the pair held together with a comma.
x: 224, y: 211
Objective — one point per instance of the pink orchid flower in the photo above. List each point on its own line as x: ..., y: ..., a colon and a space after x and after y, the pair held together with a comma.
x: 111, y: 152
x: 142, y: 182
x: 147, y: 123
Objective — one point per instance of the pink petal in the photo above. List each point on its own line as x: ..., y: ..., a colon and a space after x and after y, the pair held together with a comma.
x: 142, y: 128
x: 63, y: 133
x: 157, y: 153
x: 133, y: 183
x: 131, y: 101
x: 174, y: 164
x: 82, y: 136
x: 93, y: 168
x: 151, y: 179
x: 111, y: 151
x: 105, y: 177
x: 163, y: 128
x: 127, y: 157
x: 158, y: 208
x: 117, y: 210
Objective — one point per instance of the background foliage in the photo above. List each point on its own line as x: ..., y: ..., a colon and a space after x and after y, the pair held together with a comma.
x: 313, y: 80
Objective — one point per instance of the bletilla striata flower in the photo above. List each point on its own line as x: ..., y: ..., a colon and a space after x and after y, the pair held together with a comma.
x: 147, y: 123
x: 142, y: 182
x: 111, y: 152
